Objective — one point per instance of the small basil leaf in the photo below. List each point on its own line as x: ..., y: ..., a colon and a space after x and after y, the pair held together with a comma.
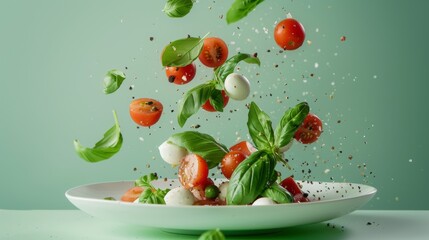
x: 201, y: 144
x: 104, y: 149
x: 212, y: 235
x: 289, y: 124
x: 277, y: 193
x: 113, y: 80
x: 153, y: 196
x: 216, y: 100
x: 229, y: 65
x: 144, y: 181
x: 178, y: 8
x: 240, y: 9
x: 260, y: 129
x: 182, y: 52
x: 192, y: 101
x: 250, y: 178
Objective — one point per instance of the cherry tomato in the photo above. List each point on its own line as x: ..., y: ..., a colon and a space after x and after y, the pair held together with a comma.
x: 181, y: 75
x: 291, y: 186
x: 310, y: 129
x: 145, y: 111
x: 301, y: 197
x: 289, y: 34
x: 230, y: 162
x: 132, y: 194
x: 199, y: 190
x: 244, y: 147
x: 208, y: 107
x: 193, y: 171
x: 214, y: 52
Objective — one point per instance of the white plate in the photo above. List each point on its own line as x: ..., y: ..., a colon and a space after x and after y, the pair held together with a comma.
x: 329, y: 200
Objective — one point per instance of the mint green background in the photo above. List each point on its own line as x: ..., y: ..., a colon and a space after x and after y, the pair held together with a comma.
x: 369, y: 91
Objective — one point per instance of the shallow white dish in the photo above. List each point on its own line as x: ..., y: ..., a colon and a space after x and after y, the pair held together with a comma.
x: 329, y: 200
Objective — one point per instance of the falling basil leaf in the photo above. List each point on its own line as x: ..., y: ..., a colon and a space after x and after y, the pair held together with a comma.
x: 202, y: 144
x: 192, y: 101
x: 260, y: 128
x: 104, y: 149
x: 240, y: 8
x: 178, y: 8
x: 289, y: 124
x: 113, y: 80
x: 182, y: 52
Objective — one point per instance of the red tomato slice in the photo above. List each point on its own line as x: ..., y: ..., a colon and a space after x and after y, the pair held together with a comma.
x: 310, y: 129
x: 208, y: 107
x: 214, y: 52
x: 145, y: 111
x: 193, y: 171
x: 132, y: 194
x: 244, y: 147
x: 301, y: 197
x: 291, y: 186
x: 199, y: 190
x: 230, y: 162
x: 289, y: 34
x: 181, y: 75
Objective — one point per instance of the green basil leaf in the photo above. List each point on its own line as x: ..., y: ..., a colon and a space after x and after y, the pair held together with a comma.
x: 260, y: 129
x: 229, y: 65
x: 277, y: 193
x: 250, y: 178
x: 192, y: 101
x: 201, y: 144
x: 104, y: 149
x: 153, y: 196
x: 216, y: 100
x: 144, y: 181
x: 289, y: 124
x: 182, y: 52
x: 178, y: 8
x: 240, y: 8
x: 212, y: 235
x: 113, y: 80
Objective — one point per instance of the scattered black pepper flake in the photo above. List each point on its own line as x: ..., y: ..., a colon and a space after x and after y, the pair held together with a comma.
x: 171, y: 78
x: 134, y: 169
x: 151, y: 38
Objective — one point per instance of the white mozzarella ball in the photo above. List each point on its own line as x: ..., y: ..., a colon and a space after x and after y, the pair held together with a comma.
x: 172, y: 153
x: 237, y: 86
x: 223, y: 189
x: 263, y: 201
x: 179, y: 196
x: 286, y: 147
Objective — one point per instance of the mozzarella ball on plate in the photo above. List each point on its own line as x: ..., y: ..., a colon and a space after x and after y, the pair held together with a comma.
x: 171, y: 153
x: 263, y: 201
x: 237, y: 86
x: 179, y: 196
x: 223, y: 189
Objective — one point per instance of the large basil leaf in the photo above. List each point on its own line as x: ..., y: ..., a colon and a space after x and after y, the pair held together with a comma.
x: 201, y: 144
x: 212, y: 235
x: 229, y: 65
x: 289, y: 124
x: 260, y: 129
x: 104, y: 149
x: 192, y: 101
x: 277, y: 193
x: 178, y: 8
x: 240, y: 9
x: 182, y: 52
x: 113, y: 80
x: 250, y: 178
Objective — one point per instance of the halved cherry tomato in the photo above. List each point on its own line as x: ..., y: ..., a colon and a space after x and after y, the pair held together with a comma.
x: 244, y: 147
x: 132, y: 194
x: 214, y: 52
x: 199, y: 190
x: 145, y: 111
x: 230, y: 162
x: 289, y: 34
x: 193, y: 171
x: 291, y: 186
x: 310, y: 129
x: 181, y: 75
x: 208, y: 107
